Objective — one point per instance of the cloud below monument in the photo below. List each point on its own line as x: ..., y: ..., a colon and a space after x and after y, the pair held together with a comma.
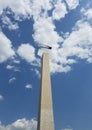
x: 20, y: 124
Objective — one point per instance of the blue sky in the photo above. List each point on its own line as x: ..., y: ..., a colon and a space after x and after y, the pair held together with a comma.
x: 66, y: 25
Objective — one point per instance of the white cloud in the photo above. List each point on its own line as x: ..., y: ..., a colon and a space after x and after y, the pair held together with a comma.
x: 27, y: 52
x: 11, y: 80
x: 37, y: 8
x: 37, y: 73
x: 67, y: 129
x: 16, y: 61
x: 28, y: 86
x: 72, y: 4
x: 21, y: 124
x: 73, y: 45
x: 87, y: 12
x: 45, y: 32
x: 8, y: 23
x: 20, y: 7
x: 10, y: 67
x: 6, y: 50
x: 59, y: 11
x: 25, y: 8
x: 77, y: 44
x: 1, y: 98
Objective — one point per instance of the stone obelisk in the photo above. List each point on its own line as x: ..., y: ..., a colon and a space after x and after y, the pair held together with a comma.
x: 45, y: 118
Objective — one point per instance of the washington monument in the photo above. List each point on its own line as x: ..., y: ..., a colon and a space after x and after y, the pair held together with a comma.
x: 45, y: 117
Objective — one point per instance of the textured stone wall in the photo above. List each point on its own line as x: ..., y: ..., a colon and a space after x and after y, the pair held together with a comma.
x: 45, y: 119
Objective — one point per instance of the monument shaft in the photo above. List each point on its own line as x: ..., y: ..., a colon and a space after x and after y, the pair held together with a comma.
x: 45, y: 119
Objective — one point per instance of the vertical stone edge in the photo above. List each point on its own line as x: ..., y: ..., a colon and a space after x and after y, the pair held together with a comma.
x: 40, y: 100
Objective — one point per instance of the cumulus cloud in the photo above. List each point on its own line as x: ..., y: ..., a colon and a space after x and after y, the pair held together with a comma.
x: 37, y: 73
x: 59, y: 11
x: 6, y: 50
x: 67, y: 129
x: 45, y: 33
x: 28, y: 86
x: 1, y: 98
x: 8, y: 23
x: 20, y: 8
x: 40, y: 9
x: 11, y: 80
x: 16, y: 61
x: 21, y: 124
x: 23, y: 9
x: 65, y: 50
x: 27, y: 52
x: 77, y: 45
x: 10, y: 67
x: 26, y: 9
x: 72, y: 4
x: 44, y: 26
x: 87, y: 12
